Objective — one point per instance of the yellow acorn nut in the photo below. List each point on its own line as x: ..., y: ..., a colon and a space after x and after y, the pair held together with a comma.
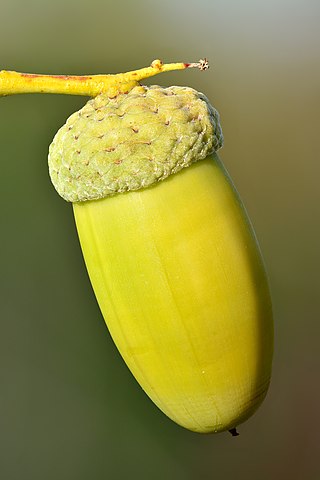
x: 170, y: 251
x: 180, y: 282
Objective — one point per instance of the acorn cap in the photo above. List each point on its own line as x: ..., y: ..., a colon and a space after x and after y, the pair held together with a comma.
x: 131, y: 141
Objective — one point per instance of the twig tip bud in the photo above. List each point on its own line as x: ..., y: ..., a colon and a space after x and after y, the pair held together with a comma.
x: 203, y: 64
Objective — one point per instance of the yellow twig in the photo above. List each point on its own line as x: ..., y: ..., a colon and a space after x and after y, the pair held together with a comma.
x: 89, y: 85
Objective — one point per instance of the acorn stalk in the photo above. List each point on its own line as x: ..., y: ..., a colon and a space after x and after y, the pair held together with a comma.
x: 170, y: 251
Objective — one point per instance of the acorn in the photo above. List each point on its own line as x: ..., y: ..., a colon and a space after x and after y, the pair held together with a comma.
x: 170, y: 251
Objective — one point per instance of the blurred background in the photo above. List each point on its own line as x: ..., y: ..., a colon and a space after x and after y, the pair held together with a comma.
x: 69, y: 407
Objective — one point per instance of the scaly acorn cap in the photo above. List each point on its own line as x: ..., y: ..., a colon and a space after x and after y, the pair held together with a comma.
x: 131, y: 141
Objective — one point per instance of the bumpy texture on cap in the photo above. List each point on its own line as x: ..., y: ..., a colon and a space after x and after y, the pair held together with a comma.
x: 129, y: 142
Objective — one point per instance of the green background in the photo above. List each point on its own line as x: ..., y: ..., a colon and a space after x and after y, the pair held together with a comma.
x: 69, y: 408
